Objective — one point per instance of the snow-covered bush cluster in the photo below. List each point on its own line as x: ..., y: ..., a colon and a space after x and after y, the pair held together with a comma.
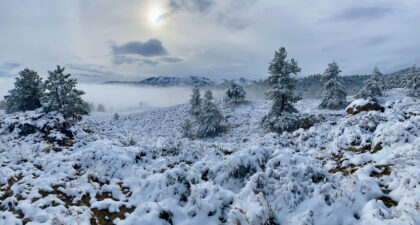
x: 344, y: 169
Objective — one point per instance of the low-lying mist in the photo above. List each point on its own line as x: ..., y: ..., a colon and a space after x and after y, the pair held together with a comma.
x: 126, y: 98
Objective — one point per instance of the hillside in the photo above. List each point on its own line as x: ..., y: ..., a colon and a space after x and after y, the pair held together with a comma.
x: 345, y: 169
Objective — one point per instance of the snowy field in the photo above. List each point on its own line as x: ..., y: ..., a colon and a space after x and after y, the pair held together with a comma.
x: 345, y: 169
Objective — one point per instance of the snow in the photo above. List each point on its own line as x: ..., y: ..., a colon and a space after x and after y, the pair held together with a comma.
x: 140, y: 170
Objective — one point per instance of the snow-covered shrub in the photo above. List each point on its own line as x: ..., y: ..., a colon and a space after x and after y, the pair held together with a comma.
x: 371, y: 88
x: 286, y: 183
x: 281, y: 116
x: 195, y: 102
x: 210, y: 119
x: 51, y: 126
x: 284, y: 122
x: 235, y: 93
x: 62, y: 96
x: 26, y: 94
x: 413, y: 82
x: 333, y: 96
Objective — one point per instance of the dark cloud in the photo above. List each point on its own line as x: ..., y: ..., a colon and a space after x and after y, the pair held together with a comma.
x: 193, y: 5
x: 170, y: 59
x: 122, y: 59
x: 362, y: 13
x: 150, y: 48
x: 148, y: 62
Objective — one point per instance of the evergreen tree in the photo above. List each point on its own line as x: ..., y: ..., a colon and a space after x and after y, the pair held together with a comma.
x: 62, y: 96
x: 187, y: 129
x: 333, y: 96
x: 413, y: 82
x: 195, y: 102
x: 281, y: 116
x: 27, y: 92
x: 371, y: 88
x: 116, y: 116
x: 235, y: 93
x: 210, y: 119
x: 3, y: 105
x: 101, y: 108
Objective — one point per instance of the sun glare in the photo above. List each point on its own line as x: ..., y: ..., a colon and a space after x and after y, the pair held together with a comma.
x: 157, y: 16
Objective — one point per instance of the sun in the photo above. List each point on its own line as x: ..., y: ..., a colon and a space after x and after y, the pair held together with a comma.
x: 157, y: 16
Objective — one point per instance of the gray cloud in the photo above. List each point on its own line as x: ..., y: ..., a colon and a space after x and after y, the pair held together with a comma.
x: 193, y: 5
x: 362, y: 13
x: 122, y: 59
x: 170, y: 59
x: 150, y: 48
x: 148, y: 62
x: 375, y: 41
x: 6, y: 67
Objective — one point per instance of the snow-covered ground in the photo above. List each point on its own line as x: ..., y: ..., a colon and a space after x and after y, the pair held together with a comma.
x: 346, y: 169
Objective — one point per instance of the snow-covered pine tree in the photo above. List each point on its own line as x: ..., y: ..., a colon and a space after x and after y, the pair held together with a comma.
x: 413, y: 82
x: 27, y: 92
x: 282, y: 115
x: 116, y: 116
x: 195, y: 102
x: 371, y: 88
x: 210, y: 119
x: 333, y: 96
x: 235, y: 93
x: 187, y: 129
x: 62, y: 96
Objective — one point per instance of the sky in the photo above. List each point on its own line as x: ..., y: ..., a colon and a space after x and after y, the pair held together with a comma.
x: 101, y: 40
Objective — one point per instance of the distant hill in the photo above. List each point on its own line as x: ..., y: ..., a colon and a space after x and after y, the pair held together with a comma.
x: 164, y: 81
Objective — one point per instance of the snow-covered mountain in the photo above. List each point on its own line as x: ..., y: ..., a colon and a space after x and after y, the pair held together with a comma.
x: 165, y: 81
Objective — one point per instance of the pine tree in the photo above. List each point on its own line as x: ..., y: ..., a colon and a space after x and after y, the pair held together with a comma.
x: 413, y: 82
x: 210, y: 119
x: 371, y: 88
x: 195, y: 102
x: 187, y: 129
x: 27, y: 92
x: 62, y: 96
x: 282, y: 113
x: 333, y: 96
x: 101, y: 108
x: 116, y: 116
x: 235, y: 93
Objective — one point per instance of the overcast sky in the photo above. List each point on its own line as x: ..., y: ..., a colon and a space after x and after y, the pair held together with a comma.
x: 99, y: 40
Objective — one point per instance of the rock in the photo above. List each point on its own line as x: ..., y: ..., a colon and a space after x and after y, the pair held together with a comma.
x: 361, y: 105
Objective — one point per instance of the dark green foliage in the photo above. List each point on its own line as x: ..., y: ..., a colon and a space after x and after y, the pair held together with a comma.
x: 281, y: 116
x: 333, y: 96
x: 62, y: 96
x: 195, y: 102
x: 235, y: 93
x: 372, y: 87
x: 26, y: 94
x: 210, y: 119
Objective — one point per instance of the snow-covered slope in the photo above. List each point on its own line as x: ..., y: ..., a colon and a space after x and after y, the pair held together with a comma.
x: 163, y: 81
x: 346, y: 169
